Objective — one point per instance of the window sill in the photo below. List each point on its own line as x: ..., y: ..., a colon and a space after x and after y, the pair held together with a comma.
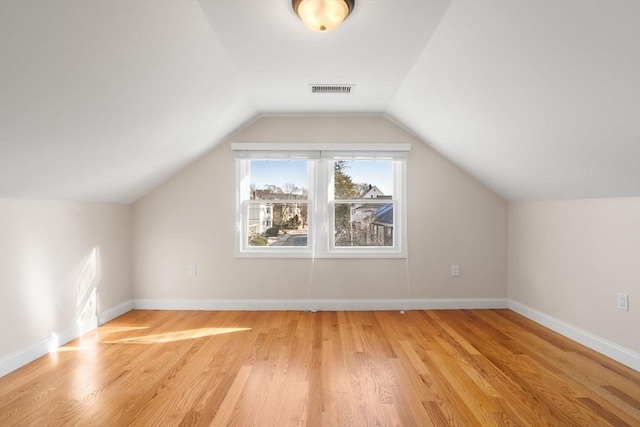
x: 330, y: 255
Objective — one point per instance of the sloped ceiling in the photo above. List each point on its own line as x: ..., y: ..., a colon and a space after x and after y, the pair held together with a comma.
x: 104, y: 100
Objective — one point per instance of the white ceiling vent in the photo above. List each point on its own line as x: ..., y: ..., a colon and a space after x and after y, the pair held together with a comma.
x: 331, y: 88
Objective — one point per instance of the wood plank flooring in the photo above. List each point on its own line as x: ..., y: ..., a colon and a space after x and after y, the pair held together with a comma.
x: 443, y: 368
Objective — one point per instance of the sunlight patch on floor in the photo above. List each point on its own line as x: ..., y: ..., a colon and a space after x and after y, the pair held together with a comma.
x: 69, y: 348
x: 114, y: 329
x: 177, y: 336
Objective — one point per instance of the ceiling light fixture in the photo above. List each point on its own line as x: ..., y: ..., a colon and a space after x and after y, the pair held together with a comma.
x: 322, y: 15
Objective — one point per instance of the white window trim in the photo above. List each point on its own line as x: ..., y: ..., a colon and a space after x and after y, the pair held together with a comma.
x: 243, y: 188
x: 320, y: 239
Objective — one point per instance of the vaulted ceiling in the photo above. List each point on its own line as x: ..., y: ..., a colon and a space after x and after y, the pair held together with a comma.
x: 104, y: 100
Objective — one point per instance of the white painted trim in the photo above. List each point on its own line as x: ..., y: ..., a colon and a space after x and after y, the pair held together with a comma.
x: 322, y: 304
x: 20, y: 358
x: 459, y: 303
x: 594, y: 342
x: 114, y: 312
x: 320, y: 146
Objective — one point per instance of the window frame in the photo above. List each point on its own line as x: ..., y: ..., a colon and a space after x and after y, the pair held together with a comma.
x: 320, y: 200
x: 243, y: 189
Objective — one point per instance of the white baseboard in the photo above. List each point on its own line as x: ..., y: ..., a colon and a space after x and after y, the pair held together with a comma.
x: 458, y: 303
x: 18, y: 359
x: 601, y: 345
x: 321, y: 304
x: 114, y: 312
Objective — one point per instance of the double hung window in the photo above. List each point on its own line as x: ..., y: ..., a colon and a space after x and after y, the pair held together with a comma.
x: 302, y: 200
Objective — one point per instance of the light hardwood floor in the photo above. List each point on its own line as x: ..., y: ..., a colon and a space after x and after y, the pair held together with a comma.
x: 457, y: 367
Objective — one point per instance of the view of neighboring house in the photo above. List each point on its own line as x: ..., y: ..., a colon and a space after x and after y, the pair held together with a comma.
x: 382, y: 226
x: 292, y: 215
x: 260, y: 218
x: 371, y: 223
x: 272, y: 212
x: 373, y: 193
x: 368, y: 222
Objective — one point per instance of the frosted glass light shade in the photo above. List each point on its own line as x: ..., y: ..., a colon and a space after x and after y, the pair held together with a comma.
x: 322, y: 15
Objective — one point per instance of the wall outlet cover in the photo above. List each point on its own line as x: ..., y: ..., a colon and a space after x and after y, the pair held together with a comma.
x: 623, y: 301
x: 455, y: 270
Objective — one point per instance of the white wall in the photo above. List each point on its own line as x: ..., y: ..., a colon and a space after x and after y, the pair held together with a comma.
x: 452, y: 218
x: 569, y: 259
x: 52, y: 255
x: 566, y: 259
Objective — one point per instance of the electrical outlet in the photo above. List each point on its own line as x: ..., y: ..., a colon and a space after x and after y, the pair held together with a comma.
x: 455, y: 270
x: 623, y: 301
x: 193, y: 270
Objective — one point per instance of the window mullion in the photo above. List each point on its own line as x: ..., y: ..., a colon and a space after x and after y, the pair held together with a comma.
x: 365, y: 228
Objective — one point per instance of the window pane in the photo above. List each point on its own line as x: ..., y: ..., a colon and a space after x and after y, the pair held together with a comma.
x: 356, y: 179
x: 277, y: 224
x: 363, y: 224
x: 358, y: 212
x: 279, y: 179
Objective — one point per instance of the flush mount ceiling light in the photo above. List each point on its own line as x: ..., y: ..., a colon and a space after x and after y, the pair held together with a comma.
x: 322, y: 15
